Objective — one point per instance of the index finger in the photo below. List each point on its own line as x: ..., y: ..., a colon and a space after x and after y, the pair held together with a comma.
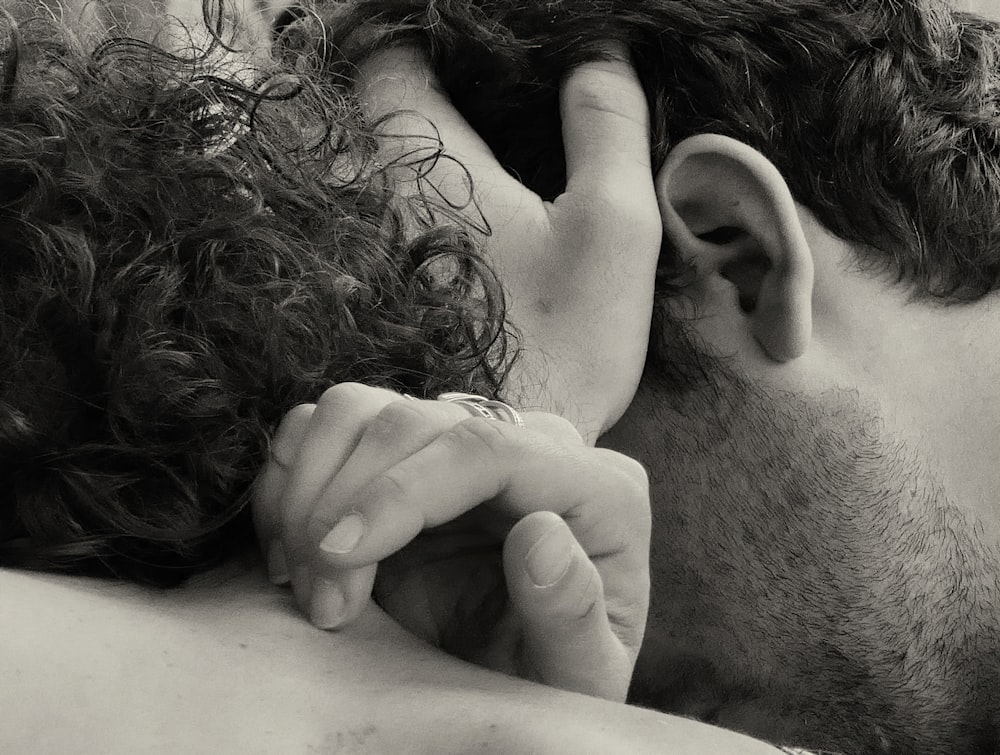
x: 601, y: 494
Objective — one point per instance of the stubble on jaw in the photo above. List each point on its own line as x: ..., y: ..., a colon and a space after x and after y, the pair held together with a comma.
x: 812, y: 583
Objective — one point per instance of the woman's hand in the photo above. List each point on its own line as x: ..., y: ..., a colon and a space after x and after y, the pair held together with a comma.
x: 548, y: 578
x: 362, y: 473
x: 578, y: 271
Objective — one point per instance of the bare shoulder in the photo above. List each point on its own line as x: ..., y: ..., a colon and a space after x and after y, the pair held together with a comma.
x: 226, y: 665
x: 116, y: 668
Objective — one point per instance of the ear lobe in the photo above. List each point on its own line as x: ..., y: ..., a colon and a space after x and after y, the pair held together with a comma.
x: 728, y: 209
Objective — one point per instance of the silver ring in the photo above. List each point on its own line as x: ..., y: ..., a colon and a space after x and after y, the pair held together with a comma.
x: 480, y: 406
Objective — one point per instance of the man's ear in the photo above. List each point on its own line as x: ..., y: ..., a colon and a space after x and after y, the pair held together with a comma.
x: 728, y: 209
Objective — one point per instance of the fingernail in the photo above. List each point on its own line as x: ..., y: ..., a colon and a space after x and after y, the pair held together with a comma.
x: 345, y: 535
x: 548, y: 559
x: 326, y: 606
x: 277, y: 565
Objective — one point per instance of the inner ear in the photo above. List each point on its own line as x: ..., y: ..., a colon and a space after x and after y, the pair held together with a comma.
x: 728, y: 209
x: 744, y: 263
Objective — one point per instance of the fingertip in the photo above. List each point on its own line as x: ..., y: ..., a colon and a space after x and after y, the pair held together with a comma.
x: 526, y: 532
x: 567, y: 639
x: 606, y: 127
x: 365, y: 533
x: 277, y: 563
x: 548, y: 569
x: 550, y: 557
x: 327, y: 604
x: 337, y: 599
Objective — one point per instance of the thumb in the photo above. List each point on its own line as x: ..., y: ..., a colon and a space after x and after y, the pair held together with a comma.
x: 557, y: 593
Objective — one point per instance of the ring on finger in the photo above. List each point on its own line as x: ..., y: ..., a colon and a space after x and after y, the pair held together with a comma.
x: 480, y: 406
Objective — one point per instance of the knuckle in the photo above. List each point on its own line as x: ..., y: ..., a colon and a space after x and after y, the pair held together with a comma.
x: 632, y: 468
x: 396, y: 419
x: 300, y: 412
x: 341, y: 397
x: 389, y: 487
x: 626, y: 466
x: 491, y: 436
x: 563, y: 430
x: 553, y: 426
x: 605, y: 87
x: 630, y: 482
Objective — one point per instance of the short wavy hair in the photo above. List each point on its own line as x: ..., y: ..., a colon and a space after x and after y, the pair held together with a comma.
x: 184, y: 256
x: 884, y: 117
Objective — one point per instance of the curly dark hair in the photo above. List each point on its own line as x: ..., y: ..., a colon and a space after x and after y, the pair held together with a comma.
x: 884, y: 117
x: 183, y: 257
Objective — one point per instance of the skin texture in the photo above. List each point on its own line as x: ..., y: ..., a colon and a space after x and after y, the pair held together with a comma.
x: 827, y: 578
x: 824, y: 564
x: 228, y: 666
x: 821, y: 443
x: 356, y: 477
x: 602, y: 234
x: 589, y: 254
x: 373, y: 687
x: 824, y: 590
x: 825, y: 519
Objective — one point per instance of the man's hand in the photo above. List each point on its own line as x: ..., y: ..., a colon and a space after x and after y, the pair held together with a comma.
x: 578, y: 271
x: 357, y: 476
